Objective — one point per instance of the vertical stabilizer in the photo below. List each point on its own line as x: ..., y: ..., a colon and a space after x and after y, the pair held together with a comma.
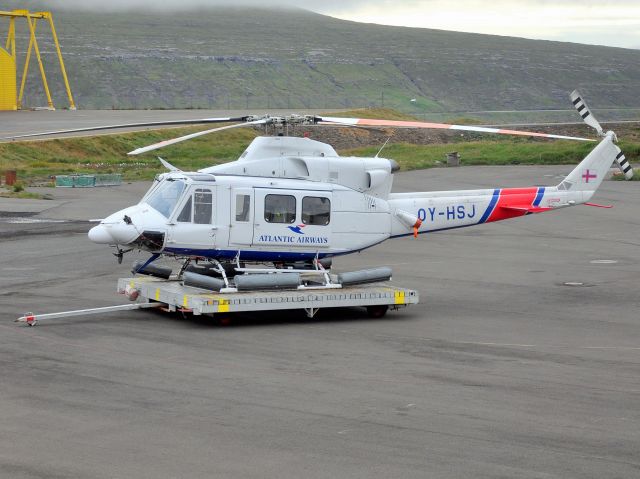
x: 588, y: 175
x: 587, y: 115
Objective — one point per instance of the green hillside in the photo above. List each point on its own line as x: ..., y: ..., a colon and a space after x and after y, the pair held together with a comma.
x: 37, y: 161
x: 264, y: 59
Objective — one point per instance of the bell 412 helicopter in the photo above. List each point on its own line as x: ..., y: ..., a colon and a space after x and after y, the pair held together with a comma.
x: 291, y: 202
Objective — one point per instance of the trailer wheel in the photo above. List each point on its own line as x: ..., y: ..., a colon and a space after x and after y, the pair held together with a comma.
x: 377, y: 311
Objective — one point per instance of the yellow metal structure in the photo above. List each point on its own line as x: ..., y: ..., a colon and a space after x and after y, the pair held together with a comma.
x: 8, y: 98
x: 8, y: 61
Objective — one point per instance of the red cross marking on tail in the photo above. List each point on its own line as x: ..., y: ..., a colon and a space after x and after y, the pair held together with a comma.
x: 588, y: 175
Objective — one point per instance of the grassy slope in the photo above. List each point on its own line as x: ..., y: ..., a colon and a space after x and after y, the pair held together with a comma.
x: 225, y: 57
x: 37, y: 160
x: 491, y: 152
x: 377, y: 113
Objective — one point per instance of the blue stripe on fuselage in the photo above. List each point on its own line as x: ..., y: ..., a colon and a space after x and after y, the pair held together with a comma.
x: 492, y: 205
x: 539, y: 196
x: 247, y: 255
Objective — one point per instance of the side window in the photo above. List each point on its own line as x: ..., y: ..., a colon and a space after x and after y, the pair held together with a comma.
x: 185, y: 214
x: 243, y: 206
x: 203, y: 206
x: 316, y: 210
x: 280, y: 209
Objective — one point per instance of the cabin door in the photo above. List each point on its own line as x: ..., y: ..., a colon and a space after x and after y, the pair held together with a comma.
x: 241, y: 223
x: 293, y: 219
x: 193, y: 229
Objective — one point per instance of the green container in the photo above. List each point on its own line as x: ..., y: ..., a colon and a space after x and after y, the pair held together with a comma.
x: 114, y: 179
x: 64, y: 181
x: 75, y: 181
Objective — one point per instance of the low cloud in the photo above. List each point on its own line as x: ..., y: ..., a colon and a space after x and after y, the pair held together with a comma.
x: 615, y: 23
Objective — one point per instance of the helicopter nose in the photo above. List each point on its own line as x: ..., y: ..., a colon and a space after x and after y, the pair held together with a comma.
x: 99, y: 234
x: 113, y: 233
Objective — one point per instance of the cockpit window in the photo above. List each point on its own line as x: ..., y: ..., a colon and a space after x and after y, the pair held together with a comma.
x: 185, y: 214
x: 166, y: 196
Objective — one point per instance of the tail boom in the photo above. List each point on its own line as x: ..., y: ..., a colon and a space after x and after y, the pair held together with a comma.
x: 458, y: 209
x: 442, y: 210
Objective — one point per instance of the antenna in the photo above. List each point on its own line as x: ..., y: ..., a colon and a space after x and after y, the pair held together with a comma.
x: 168, y: 165
x: 382, y: 147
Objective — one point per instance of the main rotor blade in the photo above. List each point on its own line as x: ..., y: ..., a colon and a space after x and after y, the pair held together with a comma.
x: 132, y: 125
x: 164, y: 143
x: 442, y: 126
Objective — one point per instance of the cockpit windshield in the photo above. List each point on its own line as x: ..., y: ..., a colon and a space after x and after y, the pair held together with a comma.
x: 165, y: 196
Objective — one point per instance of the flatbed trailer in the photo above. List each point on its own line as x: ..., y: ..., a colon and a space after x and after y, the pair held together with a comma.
x: 173, y: 295
x: 176, y: 297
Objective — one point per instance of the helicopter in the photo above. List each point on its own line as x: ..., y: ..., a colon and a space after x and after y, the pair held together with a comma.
x: 294, y: 203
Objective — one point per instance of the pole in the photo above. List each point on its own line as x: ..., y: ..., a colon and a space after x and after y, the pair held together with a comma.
x: 32, y: 29
x: 11, y: 38
x: 72, y: 105
x: 26, y: 65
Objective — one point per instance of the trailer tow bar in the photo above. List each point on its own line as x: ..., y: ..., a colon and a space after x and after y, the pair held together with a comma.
x: 31, y: 318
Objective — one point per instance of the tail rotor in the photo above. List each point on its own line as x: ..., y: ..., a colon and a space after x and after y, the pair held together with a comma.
x: 583, y: 110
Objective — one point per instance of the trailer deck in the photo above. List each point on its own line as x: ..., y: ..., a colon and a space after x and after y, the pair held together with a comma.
x: 176, y: 296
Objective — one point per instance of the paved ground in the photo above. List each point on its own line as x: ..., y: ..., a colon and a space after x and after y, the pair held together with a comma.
x: 502, y: 371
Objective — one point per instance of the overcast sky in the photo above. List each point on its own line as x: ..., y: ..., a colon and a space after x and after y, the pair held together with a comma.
x: 602, y: 22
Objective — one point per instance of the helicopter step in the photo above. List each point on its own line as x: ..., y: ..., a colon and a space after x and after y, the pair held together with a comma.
x: 175, y: 296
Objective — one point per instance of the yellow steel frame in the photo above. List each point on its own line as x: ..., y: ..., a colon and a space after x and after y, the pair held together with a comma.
x: 32, y: 19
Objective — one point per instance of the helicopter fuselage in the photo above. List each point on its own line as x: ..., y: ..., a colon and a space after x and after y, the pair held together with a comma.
x: 261, y: 219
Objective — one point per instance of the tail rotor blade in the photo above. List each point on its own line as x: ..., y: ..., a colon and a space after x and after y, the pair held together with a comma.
x: 583, y: 110
x: 624, y: 165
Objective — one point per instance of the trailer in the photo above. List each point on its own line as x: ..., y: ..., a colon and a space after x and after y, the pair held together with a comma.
x: 173, y: 295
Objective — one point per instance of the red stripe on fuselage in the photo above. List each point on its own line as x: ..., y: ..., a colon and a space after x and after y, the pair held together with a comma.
x: 520, y: 197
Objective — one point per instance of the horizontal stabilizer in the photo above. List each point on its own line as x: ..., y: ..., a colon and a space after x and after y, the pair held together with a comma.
x: 598, y: 206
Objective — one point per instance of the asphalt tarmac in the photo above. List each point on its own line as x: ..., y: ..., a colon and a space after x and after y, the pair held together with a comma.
x: 522, y: 360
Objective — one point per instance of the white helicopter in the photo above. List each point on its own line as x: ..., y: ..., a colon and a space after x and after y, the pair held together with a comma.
x: 291, y: 202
